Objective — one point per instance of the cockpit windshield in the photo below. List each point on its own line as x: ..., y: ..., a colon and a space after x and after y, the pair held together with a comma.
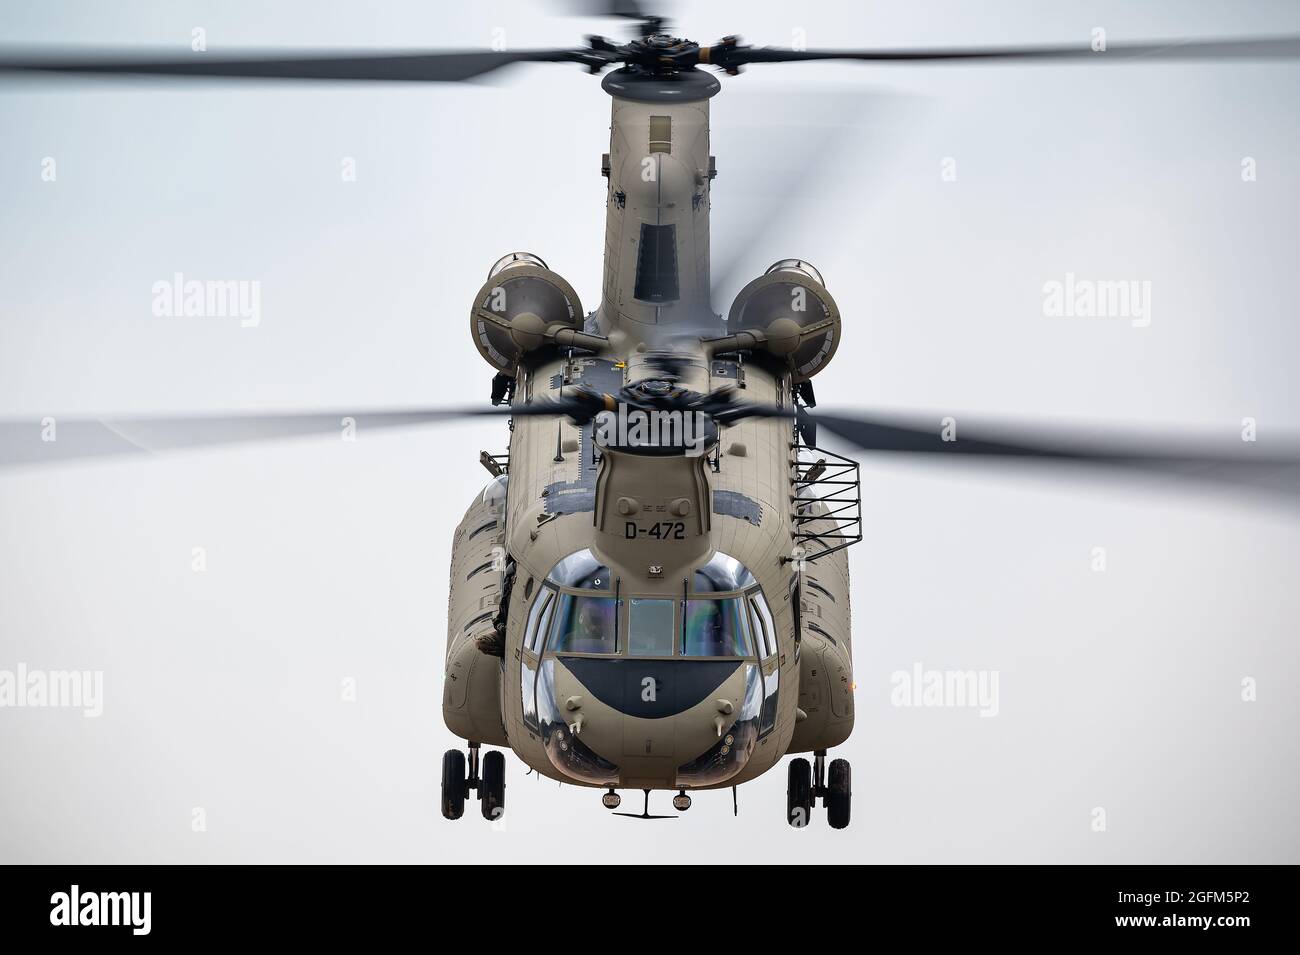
x: 716, y: 628
x: 650, y: 627
x: 722, y: 573
x: 585, y: 625
x: 721, y: 613
x: 580, y: 570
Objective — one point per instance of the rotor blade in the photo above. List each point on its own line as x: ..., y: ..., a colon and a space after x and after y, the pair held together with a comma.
x: 648, y: 23
x: 418, y: 67
x: 50, y: 440
x: 630, y: 9
x: 1252, y: 48
x: 1226, y: 458
x: 783, y: 149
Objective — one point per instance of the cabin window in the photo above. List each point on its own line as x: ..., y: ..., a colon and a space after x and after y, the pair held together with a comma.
x: 656, y: 264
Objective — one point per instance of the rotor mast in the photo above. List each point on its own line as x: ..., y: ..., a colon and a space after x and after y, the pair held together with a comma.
x: 660, y: 172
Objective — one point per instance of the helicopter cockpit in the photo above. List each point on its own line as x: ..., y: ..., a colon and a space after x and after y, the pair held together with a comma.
x: 583, y: 620
x: 580, y: 610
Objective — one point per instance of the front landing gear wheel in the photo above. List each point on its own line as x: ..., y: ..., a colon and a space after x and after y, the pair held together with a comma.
x: 839, y: 794
x: 799, y: 794
x: 492, y: 788
x: 453, y: 784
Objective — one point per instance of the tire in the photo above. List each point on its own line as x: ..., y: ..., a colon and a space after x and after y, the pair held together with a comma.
x: 799, y: 794
x: 492, y: 787
x: 453, y: 784
x: 839, y: 794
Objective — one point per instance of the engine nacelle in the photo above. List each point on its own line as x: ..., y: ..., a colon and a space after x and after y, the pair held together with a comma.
x: 522, y: 306
x: 792, y: 316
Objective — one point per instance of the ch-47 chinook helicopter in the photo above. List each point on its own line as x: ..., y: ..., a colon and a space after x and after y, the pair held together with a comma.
x: 653, y: 592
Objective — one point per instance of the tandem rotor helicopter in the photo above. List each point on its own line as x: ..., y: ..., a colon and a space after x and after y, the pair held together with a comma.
x: 653, y: 591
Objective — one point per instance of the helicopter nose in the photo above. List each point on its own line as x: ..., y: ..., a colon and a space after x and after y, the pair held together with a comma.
x: 649, y: 723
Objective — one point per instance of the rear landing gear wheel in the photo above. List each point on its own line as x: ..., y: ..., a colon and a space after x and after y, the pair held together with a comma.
x: 453, y: 784
x: 839, y: 794
x: 492, y: 787
x: 799, y: 794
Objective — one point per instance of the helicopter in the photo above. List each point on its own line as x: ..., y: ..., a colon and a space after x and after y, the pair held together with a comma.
x: 652, y: 592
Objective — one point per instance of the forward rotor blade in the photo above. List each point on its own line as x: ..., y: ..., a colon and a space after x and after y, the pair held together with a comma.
x: 1225, y: 458
x: 417, y: 67
x: 36, y: 441
x: 1253, y: 48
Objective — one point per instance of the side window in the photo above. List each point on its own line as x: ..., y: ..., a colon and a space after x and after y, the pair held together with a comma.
x: 539, y: 619
x: 763, y: 618
x: 764, y: 625
x: 528, y: 691
x: 536, y: 623
x: 767, y: 717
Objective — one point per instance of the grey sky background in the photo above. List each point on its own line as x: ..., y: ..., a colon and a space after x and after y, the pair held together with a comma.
x: 327, y: 560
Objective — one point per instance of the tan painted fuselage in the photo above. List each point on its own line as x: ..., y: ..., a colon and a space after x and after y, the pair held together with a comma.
x: 566, y: 492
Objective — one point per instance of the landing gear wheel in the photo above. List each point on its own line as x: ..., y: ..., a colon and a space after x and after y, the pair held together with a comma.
x: 839, y: 794
x: 799, y: 794
x: 492, y: 788
x: 453, y: 784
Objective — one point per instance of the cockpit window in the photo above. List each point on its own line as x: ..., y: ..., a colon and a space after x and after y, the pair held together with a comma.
x: 582, y: 571
x: 722, y: 573
x: 766, y: 642
x: 716, y: 628
x: 650, y: 627
x: 584, y: 625
x: 538, y: 620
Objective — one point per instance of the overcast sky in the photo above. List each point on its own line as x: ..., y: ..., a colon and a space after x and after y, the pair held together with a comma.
x: 1119, y: 689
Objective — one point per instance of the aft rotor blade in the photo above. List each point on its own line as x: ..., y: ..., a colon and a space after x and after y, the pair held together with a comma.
x: 1253, y: 48
x: 415, y: 67
x: 56, y: 439
x: 629, y: 9
x: 783, y: 146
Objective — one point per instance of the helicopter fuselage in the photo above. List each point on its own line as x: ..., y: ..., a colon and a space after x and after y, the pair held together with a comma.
x: 662, y: 629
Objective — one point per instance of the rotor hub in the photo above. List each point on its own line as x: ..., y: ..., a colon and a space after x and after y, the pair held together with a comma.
x: 654, y: 389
